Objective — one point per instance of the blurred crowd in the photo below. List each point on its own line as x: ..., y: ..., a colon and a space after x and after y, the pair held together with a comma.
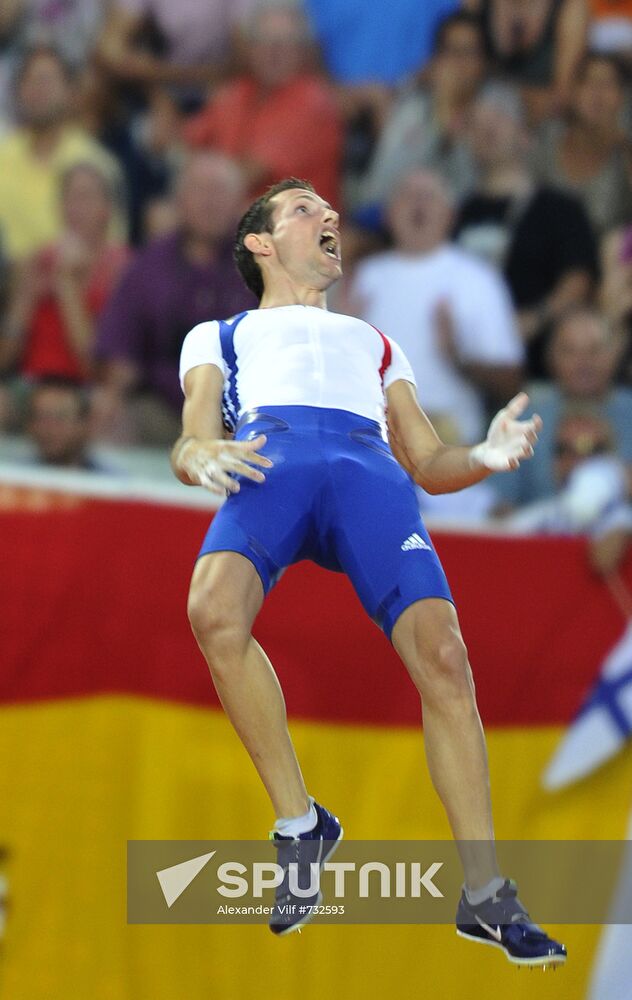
x: 480, y: 152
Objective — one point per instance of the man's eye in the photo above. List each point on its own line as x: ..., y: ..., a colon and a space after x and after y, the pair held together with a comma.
x: 302, y: 208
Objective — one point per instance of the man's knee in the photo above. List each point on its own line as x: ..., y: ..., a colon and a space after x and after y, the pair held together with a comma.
x: 442, y: 671
x: 224, y: 598
x: 213, y: 620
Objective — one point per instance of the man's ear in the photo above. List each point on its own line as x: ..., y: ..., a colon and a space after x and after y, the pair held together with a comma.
x: 258, y: 245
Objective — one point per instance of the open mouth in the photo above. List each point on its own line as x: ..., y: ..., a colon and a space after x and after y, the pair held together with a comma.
x: 329, y: 245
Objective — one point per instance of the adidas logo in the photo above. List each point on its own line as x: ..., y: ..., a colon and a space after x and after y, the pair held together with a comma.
x: 415, y: 542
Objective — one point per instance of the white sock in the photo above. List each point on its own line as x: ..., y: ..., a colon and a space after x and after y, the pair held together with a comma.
x: 292, y: 826
x: 477, y: 896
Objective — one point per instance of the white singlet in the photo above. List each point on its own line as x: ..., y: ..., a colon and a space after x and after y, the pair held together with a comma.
x: 297, y: 356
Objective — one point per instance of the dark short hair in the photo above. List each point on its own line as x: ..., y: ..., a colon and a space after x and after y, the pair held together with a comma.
x: 64, y: 383
x: 460, y: 17
x: 258, y: 219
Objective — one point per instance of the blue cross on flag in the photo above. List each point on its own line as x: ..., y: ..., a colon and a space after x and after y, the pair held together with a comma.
x: 603, y: 724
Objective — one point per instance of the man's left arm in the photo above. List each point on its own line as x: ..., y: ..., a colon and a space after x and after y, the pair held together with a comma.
x: 441, y: 468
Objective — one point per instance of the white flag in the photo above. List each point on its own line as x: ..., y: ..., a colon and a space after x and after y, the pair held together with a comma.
x: 612, y: 970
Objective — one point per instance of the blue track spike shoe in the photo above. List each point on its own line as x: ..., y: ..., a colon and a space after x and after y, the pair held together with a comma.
x: 302, y: 859
x: 503, y: 922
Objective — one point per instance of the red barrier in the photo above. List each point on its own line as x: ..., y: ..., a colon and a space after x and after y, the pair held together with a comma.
x: 93, y: 600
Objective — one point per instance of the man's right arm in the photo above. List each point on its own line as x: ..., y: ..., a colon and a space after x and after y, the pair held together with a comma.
x: 201, y: 456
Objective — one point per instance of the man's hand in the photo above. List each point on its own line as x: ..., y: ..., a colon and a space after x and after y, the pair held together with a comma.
x: 213, y: 464
x: 509, y: 440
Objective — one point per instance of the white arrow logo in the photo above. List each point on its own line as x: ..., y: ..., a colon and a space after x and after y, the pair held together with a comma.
x: 174, y: 880
x: 490, y: 930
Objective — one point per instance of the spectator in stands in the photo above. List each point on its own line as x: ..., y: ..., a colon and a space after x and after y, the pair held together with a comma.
x: 590, y: 154
x: 427, y: 123
x: 591, y: 490
x: 148, y: 146
x: 59, y: 293
x: 59, y: 424
x: 280, y: 118
x: 384, y: 46
x: 158, y: 157
x: 187, y: 45
x: 176, y: 282
x: 450, y: 312
x: 615, y: 293
x: 537, y: 44
x: 369, y: 54
x: 35, y: 155
x: 540, y: 237
x: 583, y: 355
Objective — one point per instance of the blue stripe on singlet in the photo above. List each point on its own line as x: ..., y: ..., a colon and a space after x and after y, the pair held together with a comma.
x: 227, y: 342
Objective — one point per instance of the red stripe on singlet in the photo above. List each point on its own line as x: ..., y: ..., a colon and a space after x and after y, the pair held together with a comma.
x: 386, y: 356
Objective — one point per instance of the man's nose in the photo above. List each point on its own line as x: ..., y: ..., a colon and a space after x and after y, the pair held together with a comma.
x: 331, y: 218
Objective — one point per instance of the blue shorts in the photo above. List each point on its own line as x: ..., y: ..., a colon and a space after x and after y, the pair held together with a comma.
x: 337, y: 496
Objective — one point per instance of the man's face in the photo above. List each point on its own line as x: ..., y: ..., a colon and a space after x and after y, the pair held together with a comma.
x: 209, y: 197
x: 419, y: 214
x: 277, y: 48
x: 599, y: 96
x: 85, y: 203
x: 584, y: 357
x: 495, y: 136
x: 305, y: 240
x: 57, y: 426
x: 459, y: 65
x: 44, y: 91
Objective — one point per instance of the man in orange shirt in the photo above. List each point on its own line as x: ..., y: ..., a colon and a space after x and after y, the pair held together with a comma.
x: 280, y: 118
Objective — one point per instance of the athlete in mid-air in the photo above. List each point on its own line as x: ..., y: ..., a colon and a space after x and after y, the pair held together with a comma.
x: 312, y: 474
